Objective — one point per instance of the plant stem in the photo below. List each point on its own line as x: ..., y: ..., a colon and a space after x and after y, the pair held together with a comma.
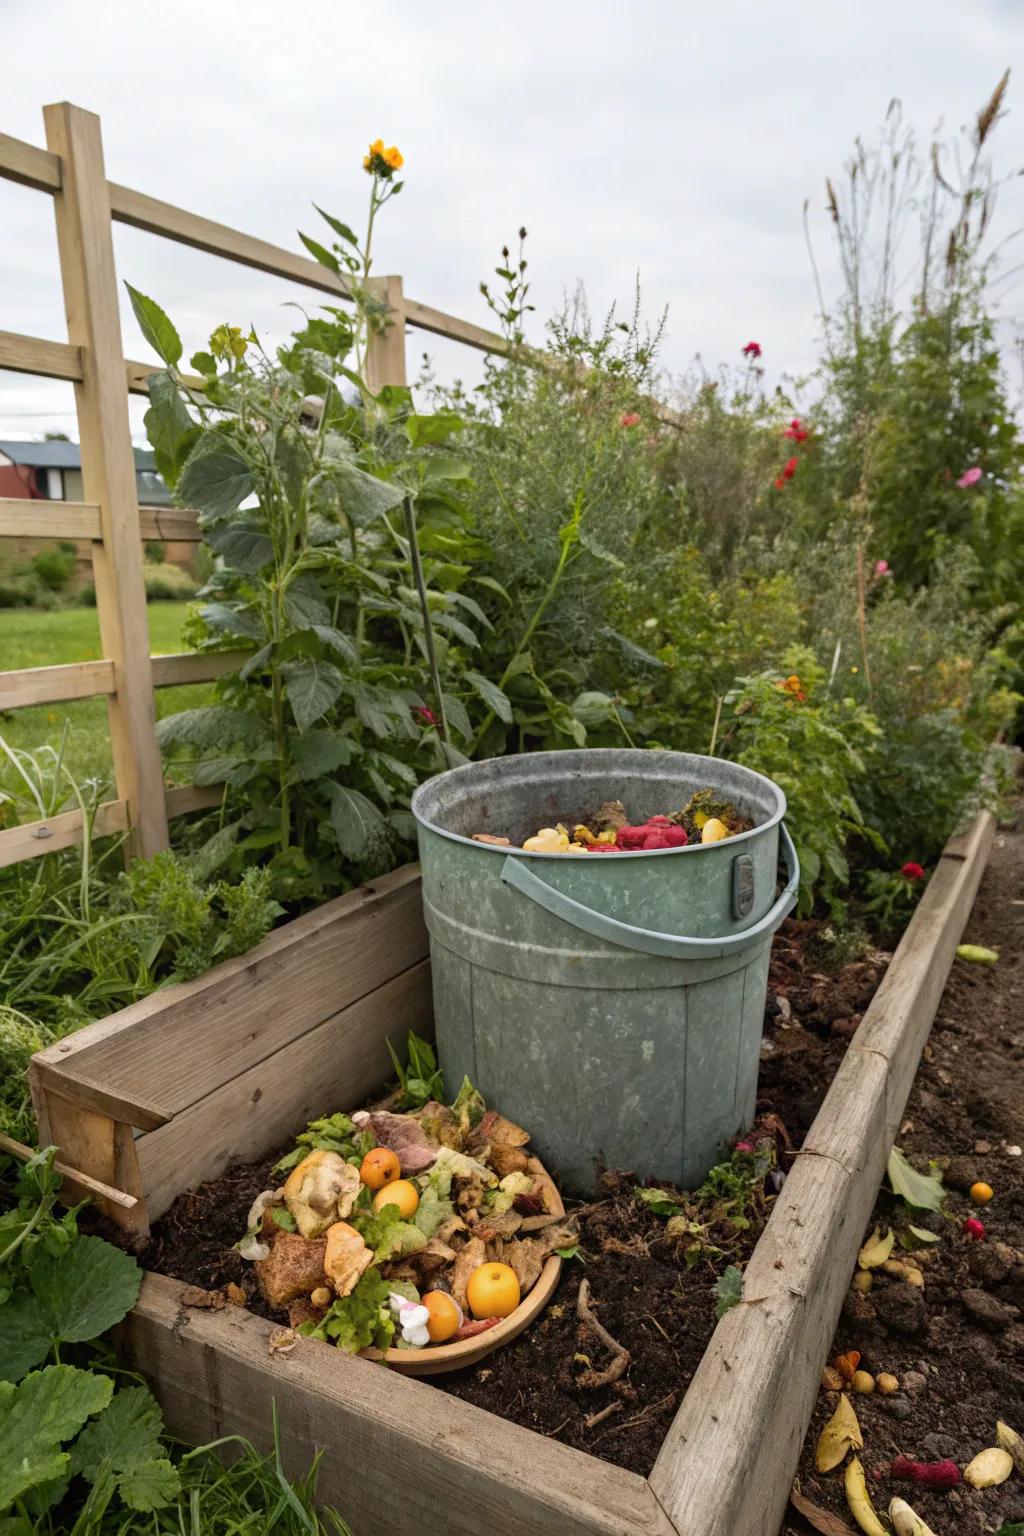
x: 428, y: 625
x: 714, y: 729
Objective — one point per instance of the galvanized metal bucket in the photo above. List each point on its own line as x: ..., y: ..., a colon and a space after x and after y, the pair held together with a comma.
x: 612, y: 1004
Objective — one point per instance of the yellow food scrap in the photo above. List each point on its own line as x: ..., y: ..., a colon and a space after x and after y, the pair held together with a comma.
x: 841, y: 1434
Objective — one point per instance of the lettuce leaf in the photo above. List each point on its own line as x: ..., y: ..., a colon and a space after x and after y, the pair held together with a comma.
x: 361, y: 1319
x: 387, y: 1234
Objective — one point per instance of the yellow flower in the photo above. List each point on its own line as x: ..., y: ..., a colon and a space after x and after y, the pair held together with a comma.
x: 382, y: 162
x: 377, y: 147
x: 394, y: 158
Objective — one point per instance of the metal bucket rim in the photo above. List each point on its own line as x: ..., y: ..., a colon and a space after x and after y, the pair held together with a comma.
x: 641, y: 853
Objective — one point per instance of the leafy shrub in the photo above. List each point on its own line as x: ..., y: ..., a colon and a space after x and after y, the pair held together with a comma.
x: 816, y: 747
x: 155, y: 551
x: 15, y: 594
x: 54, y: 567
x: 168, y: 584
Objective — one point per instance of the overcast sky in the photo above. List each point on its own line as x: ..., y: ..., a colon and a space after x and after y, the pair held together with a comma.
x: 676, y: 140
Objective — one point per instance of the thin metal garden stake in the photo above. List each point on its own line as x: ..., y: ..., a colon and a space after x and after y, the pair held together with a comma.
x: 428, y: 626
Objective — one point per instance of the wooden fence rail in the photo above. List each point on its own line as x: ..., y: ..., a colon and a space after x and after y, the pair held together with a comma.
x: 86, y: 204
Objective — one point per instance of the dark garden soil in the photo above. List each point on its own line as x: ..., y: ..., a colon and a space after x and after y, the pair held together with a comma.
x: 658, y: 1307
x: 957, y: 1345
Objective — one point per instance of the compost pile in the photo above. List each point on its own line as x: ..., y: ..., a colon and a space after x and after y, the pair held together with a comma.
x: 706, y: 818
x: 404, y: 1230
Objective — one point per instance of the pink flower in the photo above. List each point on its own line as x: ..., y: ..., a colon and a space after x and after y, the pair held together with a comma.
x: 912, y: 871
x: 881, y: 568
x: 629, y: 419
x: 423, y: 713
x: 744, y: 1146
x: 752, y: 349
x: 969, y: 477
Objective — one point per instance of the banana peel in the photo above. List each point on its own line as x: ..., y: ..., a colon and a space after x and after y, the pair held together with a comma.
x: 876, y: 1250
x: 861, y: 1507
x: 842, y: 1433
x: 905, y: 1521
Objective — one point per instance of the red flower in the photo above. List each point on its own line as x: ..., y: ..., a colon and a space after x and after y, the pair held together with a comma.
x: 780, y: 484
x: 752, y: 349
x: 796, y: 432
x: 629, y: 419
x: 790, y: 469
x: 912, y: 871
x: 423, y: 713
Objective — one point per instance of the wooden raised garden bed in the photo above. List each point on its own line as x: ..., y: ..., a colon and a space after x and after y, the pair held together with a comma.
x: 168, y: 1093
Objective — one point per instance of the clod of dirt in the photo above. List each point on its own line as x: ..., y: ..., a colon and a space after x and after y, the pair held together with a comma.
x: 960, y: 1173
x: 913, y: 1381
x: 989, y: 1265
x: 986, y: 1310
x: 902, y: 1308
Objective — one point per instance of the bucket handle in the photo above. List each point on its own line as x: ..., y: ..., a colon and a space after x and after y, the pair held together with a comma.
x: 517, y: 873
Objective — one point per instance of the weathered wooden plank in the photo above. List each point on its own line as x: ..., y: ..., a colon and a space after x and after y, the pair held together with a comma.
x: 727, y: 1463
x: 91, y: 299
x: 426, y: 318
x: 137, y: 377
x: 450, y: 1465
x: 47, y: 685
x: 77, y: 1088
x: 385, y: 353
x: 31, y: 354
x: 34, y: 838
x: 195, y: 667
x: 192, y: 797
x: 149, y: 213
x: 338, y: 1064
x: 29, y: 165
x: 83, y: 1180
x: 176, y: 525
x: 24, y: 518
x: 182, y: 1042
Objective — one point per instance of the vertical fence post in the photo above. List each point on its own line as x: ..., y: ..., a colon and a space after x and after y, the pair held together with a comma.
x: 86, y: 247
x: 385, y: 357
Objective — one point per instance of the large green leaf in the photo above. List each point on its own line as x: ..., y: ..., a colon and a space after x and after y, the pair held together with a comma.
x: 336, y: 641
x: 312, y: 688
x: 156, y: 327
x: 437, y: 428
x: 458, y: 717
x: 493, y: 697
x: 305, y: 603
x: 325, y: 257
x: 85, y: 1290
x: 47, y: 1408
x: 243, y: 546
x: 213, y: 725
x: 356, y: 820
x: 216, y: 477
x: 25, y: 1337
x: 126, y: 1437
x: 338, y: 226
x: 316, y: 753
x: 169, y: 426
x: 225, y: 620
x: 450, y: 622
x: 921, y: 1190
x: 363, y: 496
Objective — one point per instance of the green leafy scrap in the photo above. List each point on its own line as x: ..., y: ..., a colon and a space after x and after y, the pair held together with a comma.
x: 924, y: 1191
x: 360, y: 1319
x: 728, y: 1290
x: 662, y: 1202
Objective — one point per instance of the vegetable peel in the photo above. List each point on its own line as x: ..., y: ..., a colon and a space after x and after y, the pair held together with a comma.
x: 842, y: 1433
x: 861, y: 1507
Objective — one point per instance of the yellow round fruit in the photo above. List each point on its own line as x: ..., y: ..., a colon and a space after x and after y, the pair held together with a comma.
x: 493, y: 1291
x: 399, y: 1192
x: 981, y: 1193
x: 445, y: 1318
x: 714, y: 831
x: 379, y: 1167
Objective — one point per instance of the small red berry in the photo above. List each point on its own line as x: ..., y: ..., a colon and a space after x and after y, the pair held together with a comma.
x: 975, y: 1228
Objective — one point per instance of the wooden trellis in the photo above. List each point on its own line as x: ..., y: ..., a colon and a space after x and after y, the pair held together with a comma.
x: 71, y: 171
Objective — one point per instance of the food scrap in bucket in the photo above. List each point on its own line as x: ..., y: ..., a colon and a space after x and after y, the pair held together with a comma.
x: 706, y: 818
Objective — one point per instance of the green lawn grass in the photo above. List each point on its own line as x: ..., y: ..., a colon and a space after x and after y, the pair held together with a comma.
x: 29, y: 638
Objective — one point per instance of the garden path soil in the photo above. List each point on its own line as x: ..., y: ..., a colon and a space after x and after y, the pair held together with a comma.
x: 644, y: 1294
x: 958, y: 1345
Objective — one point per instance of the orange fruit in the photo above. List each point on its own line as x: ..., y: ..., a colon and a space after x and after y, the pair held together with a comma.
x: 981, y: 1193
x: 379, y: 1167
x: 445, y: 1318
x: 399, y: 1192
x: 493, y: 1291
